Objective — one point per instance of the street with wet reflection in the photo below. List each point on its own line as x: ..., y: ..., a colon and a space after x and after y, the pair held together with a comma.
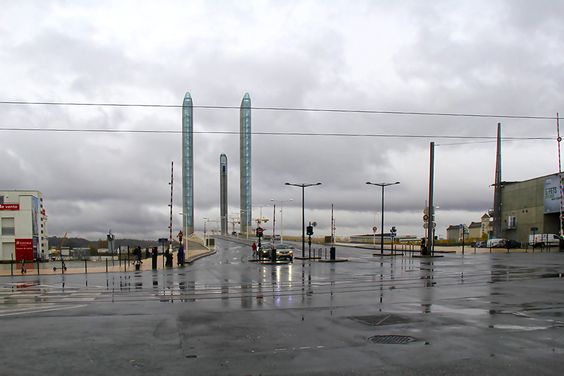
x: 457, y: 314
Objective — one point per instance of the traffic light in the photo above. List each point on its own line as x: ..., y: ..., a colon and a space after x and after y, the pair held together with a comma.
x: 310, y: 230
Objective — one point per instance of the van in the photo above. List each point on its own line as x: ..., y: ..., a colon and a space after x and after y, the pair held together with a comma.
x: 544, y: 240
x: 495, y: 243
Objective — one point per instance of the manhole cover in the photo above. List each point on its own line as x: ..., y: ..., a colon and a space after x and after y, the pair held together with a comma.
x: 378, y: 320
x: 392, y: 339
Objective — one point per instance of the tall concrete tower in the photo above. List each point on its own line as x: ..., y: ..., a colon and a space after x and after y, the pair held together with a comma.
x: 187, y: 166
x: 223, y: 193
x: 245, y: 154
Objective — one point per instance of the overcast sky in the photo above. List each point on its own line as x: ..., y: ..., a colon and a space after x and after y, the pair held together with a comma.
x: 471, y: 57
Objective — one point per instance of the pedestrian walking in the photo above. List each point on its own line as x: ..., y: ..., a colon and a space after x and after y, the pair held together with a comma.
x: 254, y: 248
x: 180, y: 255
x: 168, y: 259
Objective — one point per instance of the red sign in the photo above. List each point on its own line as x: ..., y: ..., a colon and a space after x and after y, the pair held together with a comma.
x: 9, y: 206
x: 24, y: 249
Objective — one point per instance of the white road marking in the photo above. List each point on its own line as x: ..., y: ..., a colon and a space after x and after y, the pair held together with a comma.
x: 41, y: 310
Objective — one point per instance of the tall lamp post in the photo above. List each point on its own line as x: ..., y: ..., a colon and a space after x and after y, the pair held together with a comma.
x: 205, y: 223
x: 383, y: 185
x: 303, y: 186
x: 281, y: 216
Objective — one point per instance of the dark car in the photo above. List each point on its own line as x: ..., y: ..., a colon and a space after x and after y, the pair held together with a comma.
x: 512, y: 244
x: 264, y: 250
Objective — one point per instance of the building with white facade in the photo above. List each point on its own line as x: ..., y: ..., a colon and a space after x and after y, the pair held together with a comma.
x: 23, y: 225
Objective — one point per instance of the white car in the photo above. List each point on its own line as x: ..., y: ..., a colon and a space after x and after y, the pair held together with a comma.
x: 284, y: 251
x: 496, y: 243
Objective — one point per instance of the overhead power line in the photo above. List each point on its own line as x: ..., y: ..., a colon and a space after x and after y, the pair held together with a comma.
x: 322, y: 134
x: 295, y: 109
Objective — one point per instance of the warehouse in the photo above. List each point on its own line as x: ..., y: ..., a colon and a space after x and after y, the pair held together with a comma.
x: 530, y: 206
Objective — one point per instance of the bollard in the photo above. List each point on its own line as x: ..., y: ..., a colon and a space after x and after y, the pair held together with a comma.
x: 85, y: 267
x: 106, y: 265
x: 37, y: 262
x: 12, y: 266
x: 332, y: 254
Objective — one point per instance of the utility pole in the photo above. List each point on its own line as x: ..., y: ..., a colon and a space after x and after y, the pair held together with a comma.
x: 497, y: 187
x: 332, y: 227
x: 170, y: 205
x: 431, y: 208
x: 274, y: 223
x: 559, y: 139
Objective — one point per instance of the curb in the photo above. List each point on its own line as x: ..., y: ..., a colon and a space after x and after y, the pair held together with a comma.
x: 202, y: 255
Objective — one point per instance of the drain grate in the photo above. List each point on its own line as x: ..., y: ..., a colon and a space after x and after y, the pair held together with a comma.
x: 392, y: 339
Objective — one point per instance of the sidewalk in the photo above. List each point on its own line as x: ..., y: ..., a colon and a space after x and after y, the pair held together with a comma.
x: 109, y: 266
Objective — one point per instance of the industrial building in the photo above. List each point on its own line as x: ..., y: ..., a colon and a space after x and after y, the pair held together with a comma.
x: 530, y: 207
x: 23, y: 226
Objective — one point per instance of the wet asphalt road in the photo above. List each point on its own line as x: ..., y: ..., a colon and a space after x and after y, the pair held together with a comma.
x: 485, y: 314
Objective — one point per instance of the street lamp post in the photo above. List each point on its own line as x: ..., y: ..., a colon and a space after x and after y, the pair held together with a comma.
x: 383, y: 185
x: 205, y: 222
x: 303, y: 186
x: 281, y: 217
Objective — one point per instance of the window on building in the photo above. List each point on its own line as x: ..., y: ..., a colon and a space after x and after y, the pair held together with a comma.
x: 8, y: 226
x: 1, y: 200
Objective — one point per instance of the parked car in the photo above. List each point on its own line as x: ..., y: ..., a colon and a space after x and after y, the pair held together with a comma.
x: 480, y: 244
x: 512, y: 244
x: 496, y: 243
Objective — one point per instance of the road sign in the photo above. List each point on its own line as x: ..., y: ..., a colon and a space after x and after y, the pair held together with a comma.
x: 425, y: 217
x: 374, y: 229
x: 426, y: 224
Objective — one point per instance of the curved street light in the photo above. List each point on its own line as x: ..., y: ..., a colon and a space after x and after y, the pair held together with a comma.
x: 303, y: 186
x: 383, y: 185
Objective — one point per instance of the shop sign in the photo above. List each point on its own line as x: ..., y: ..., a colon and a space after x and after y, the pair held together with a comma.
x: 9, y: 206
